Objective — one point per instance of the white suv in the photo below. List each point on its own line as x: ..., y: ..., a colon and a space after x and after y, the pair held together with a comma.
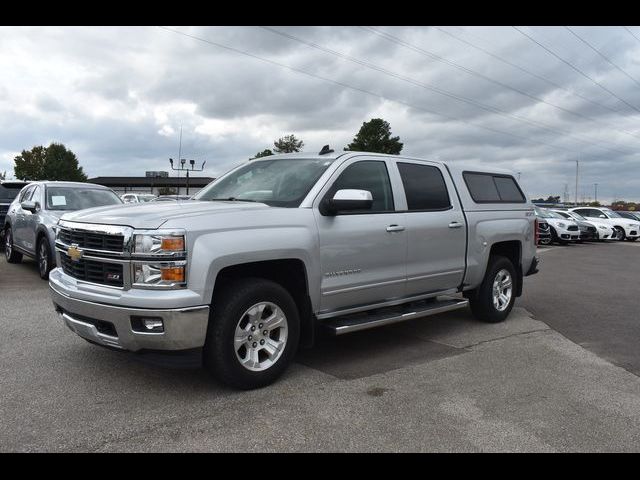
x: 137, y: 197
x: 625, y: 228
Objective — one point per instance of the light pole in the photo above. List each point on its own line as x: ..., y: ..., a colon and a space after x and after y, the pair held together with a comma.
x: 595, y: 185
x: 182, y: 169
x: 576, y: 183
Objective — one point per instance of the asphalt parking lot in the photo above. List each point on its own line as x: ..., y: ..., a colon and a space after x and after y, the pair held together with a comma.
x: 561, y: 374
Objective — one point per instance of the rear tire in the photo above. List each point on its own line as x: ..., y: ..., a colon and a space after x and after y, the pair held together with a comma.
x: 241, y: 313
x: 494, y: 298
x: 9, y: 252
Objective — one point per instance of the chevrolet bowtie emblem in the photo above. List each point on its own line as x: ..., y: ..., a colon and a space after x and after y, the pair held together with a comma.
x: 74, y: 253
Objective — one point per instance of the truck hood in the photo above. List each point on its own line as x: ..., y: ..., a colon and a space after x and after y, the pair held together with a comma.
x: 152, y: 215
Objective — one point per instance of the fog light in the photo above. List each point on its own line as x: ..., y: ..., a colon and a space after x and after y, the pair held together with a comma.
x: 153, y: 325
x: 147, y: 324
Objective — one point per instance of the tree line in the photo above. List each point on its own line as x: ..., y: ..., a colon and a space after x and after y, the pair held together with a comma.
x: 373, y: 136
x: 56, y: 162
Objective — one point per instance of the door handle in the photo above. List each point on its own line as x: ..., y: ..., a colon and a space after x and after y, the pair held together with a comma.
x: 455, y: 225
x: 395, y: 228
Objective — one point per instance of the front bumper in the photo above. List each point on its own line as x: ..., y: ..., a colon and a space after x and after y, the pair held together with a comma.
x: 113, y: 326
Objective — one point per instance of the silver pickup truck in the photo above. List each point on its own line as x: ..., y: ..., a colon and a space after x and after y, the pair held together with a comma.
x: 283, y: 246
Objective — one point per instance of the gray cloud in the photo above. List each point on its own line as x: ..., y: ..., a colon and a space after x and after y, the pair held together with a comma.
x: 118, y: 96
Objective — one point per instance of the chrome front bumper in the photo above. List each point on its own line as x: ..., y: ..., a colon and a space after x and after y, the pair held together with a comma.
x: 184, y: 328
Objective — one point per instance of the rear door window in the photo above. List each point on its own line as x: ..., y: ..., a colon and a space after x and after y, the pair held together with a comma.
x: 424, y: 187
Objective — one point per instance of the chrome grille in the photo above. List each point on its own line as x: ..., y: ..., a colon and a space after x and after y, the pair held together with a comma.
x: 92, y: 240
x: 93, y: 271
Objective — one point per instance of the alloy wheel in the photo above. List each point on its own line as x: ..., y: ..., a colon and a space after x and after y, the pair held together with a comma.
x: 261, y: 336
x: 502, y: 290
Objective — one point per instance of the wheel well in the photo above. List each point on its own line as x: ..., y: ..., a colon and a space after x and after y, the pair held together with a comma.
x: 510, y: 249
x: 291, y: 274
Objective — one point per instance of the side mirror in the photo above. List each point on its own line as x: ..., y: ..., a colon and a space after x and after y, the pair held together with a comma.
x: 347, y: 200
x: 29, y: 205
x: 602, y: 216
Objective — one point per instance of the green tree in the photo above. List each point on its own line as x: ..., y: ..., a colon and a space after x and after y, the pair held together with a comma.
x: 54, y: 162
x: 62, y: 164
x: 264, y: 153
x: 29, y: 165
x: 288, y: 144
x: 375, y: 136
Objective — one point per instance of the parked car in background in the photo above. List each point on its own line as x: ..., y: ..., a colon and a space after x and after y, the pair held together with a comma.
x: 629, y: 215
x: 137, y: 197
x: 604, y: 230
x: 563, y: 230
x: 9, y: 190
x: 33, y: 214
x: 588, y: 231
x: 171, y: 198
x: 626, y: 229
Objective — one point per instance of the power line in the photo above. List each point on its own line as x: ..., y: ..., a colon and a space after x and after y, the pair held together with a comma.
x: 533, y: 74
x: 602, y: 55
x: 367, y: 92
x: 631, y: 33
x: 441, y: 91
x: 399, y: 41
x: 575, y: 68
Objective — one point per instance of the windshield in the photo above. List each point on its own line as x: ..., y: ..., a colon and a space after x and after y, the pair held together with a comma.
x: 7, y: 194
x: 145, y: 198
x: 543, y: 213
x: 552, y: 214
x: 577, y: 216
x: 611, y: 214
x: 278, y: 183
x: 70, y: 198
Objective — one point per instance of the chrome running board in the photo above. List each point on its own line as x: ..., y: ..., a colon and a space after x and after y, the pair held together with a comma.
x: 387, y: 316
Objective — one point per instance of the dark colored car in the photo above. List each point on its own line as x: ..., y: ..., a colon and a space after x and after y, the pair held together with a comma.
x: 544, y: 232
x: 9, y: 190
x: 587, y: 230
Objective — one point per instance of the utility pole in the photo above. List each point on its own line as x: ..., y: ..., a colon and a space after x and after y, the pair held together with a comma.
x: 179, y: 156
x: 182, y: 169
x: 596, y: 192
x: 576, y: 183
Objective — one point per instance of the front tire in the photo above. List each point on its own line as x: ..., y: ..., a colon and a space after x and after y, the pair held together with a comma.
x: 493, y: 300
x: 44, y: 258
x: 253, y: 333
x: 621, y: 234
x: 9, y: 252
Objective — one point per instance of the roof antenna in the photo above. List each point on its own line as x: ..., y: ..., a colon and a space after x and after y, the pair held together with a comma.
x: 325, y: 150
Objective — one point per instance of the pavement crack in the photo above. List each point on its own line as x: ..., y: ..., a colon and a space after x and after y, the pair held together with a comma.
x: 508, y: 336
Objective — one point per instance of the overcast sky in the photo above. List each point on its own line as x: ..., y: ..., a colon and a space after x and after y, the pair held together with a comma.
x: 117, y: 96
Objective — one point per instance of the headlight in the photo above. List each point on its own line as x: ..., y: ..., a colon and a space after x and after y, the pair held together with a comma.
x: 161, y: 274
x: 159, y: 244
x: 561, y: 225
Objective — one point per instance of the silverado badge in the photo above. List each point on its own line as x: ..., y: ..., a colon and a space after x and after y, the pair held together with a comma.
x: 74, y: 253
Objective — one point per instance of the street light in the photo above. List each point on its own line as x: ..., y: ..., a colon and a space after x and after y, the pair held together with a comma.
x: 182, y: 169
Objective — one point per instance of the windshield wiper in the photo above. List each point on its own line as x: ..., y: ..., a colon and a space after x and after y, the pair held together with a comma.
x: 233, y: 199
